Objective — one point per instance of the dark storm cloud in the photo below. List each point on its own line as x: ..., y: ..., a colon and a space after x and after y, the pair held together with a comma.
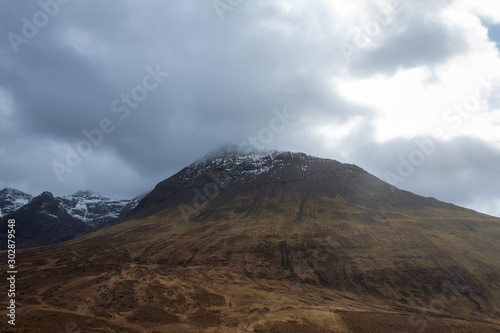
x: 414, y: 36
x: 224, y: 80
x: 429, y: 43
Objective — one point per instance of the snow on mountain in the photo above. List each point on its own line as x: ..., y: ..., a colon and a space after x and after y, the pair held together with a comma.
x: 87, y: 206
x: 234, y: 161
x: 93, y: 209
x: 42, y: 222
x: 11, y: 200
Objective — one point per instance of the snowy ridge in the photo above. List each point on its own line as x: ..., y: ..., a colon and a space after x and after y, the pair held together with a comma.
x: 232, y: 161
x: 92, y: 208
x: 11, y: 200
x: 89, y: 207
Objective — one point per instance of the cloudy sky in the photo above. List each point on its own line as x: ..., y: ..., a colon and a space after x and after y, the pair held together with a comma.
x: 115, y: 96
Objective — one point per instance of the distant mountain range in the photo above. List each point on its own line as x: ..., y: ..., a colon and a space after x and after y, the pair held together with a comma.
x: 46, y: 219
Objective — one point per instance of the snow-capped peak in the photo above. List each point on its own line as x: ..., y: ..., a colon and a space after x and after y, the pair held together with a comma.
x: 232, y: 151
x: 92, y: 208
x: 12, y: 199
x: 232, y: 160
x: 87, y: 206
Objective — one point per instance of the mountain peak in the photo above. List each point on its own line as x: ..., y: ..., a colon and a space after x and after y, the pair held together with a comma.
x: 232, y: 150
x: 86, y: 194
x: 46, y: 194
x: 12, y: 191
x: 255, y: 181
x: 11, y: 200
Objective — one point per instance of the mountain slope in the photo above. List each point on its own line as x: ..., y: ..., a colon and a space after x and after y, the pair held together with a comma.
x: 273, y: 242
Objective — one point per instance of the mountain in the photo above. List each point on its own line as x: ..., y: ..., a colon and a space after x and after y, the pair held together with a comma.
x: 42, y: 221
x: 255, y: 182
x: 246, y: 241
x: 11, y: 200
x: 71, y: 215
x: 95, y: 210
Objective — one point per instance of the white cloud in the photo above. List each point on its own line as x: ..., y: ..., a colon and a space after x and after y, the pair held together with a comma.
x: 417, y: 101
x: 484, y: 8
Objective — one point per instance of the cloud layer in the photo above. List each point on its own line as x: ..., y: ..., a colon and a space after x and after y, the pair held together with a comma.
x: 360, y: 80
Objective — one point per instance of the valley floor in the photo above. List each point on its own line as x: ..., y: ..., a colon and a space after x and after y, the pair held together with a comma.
x: 149, y: 298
